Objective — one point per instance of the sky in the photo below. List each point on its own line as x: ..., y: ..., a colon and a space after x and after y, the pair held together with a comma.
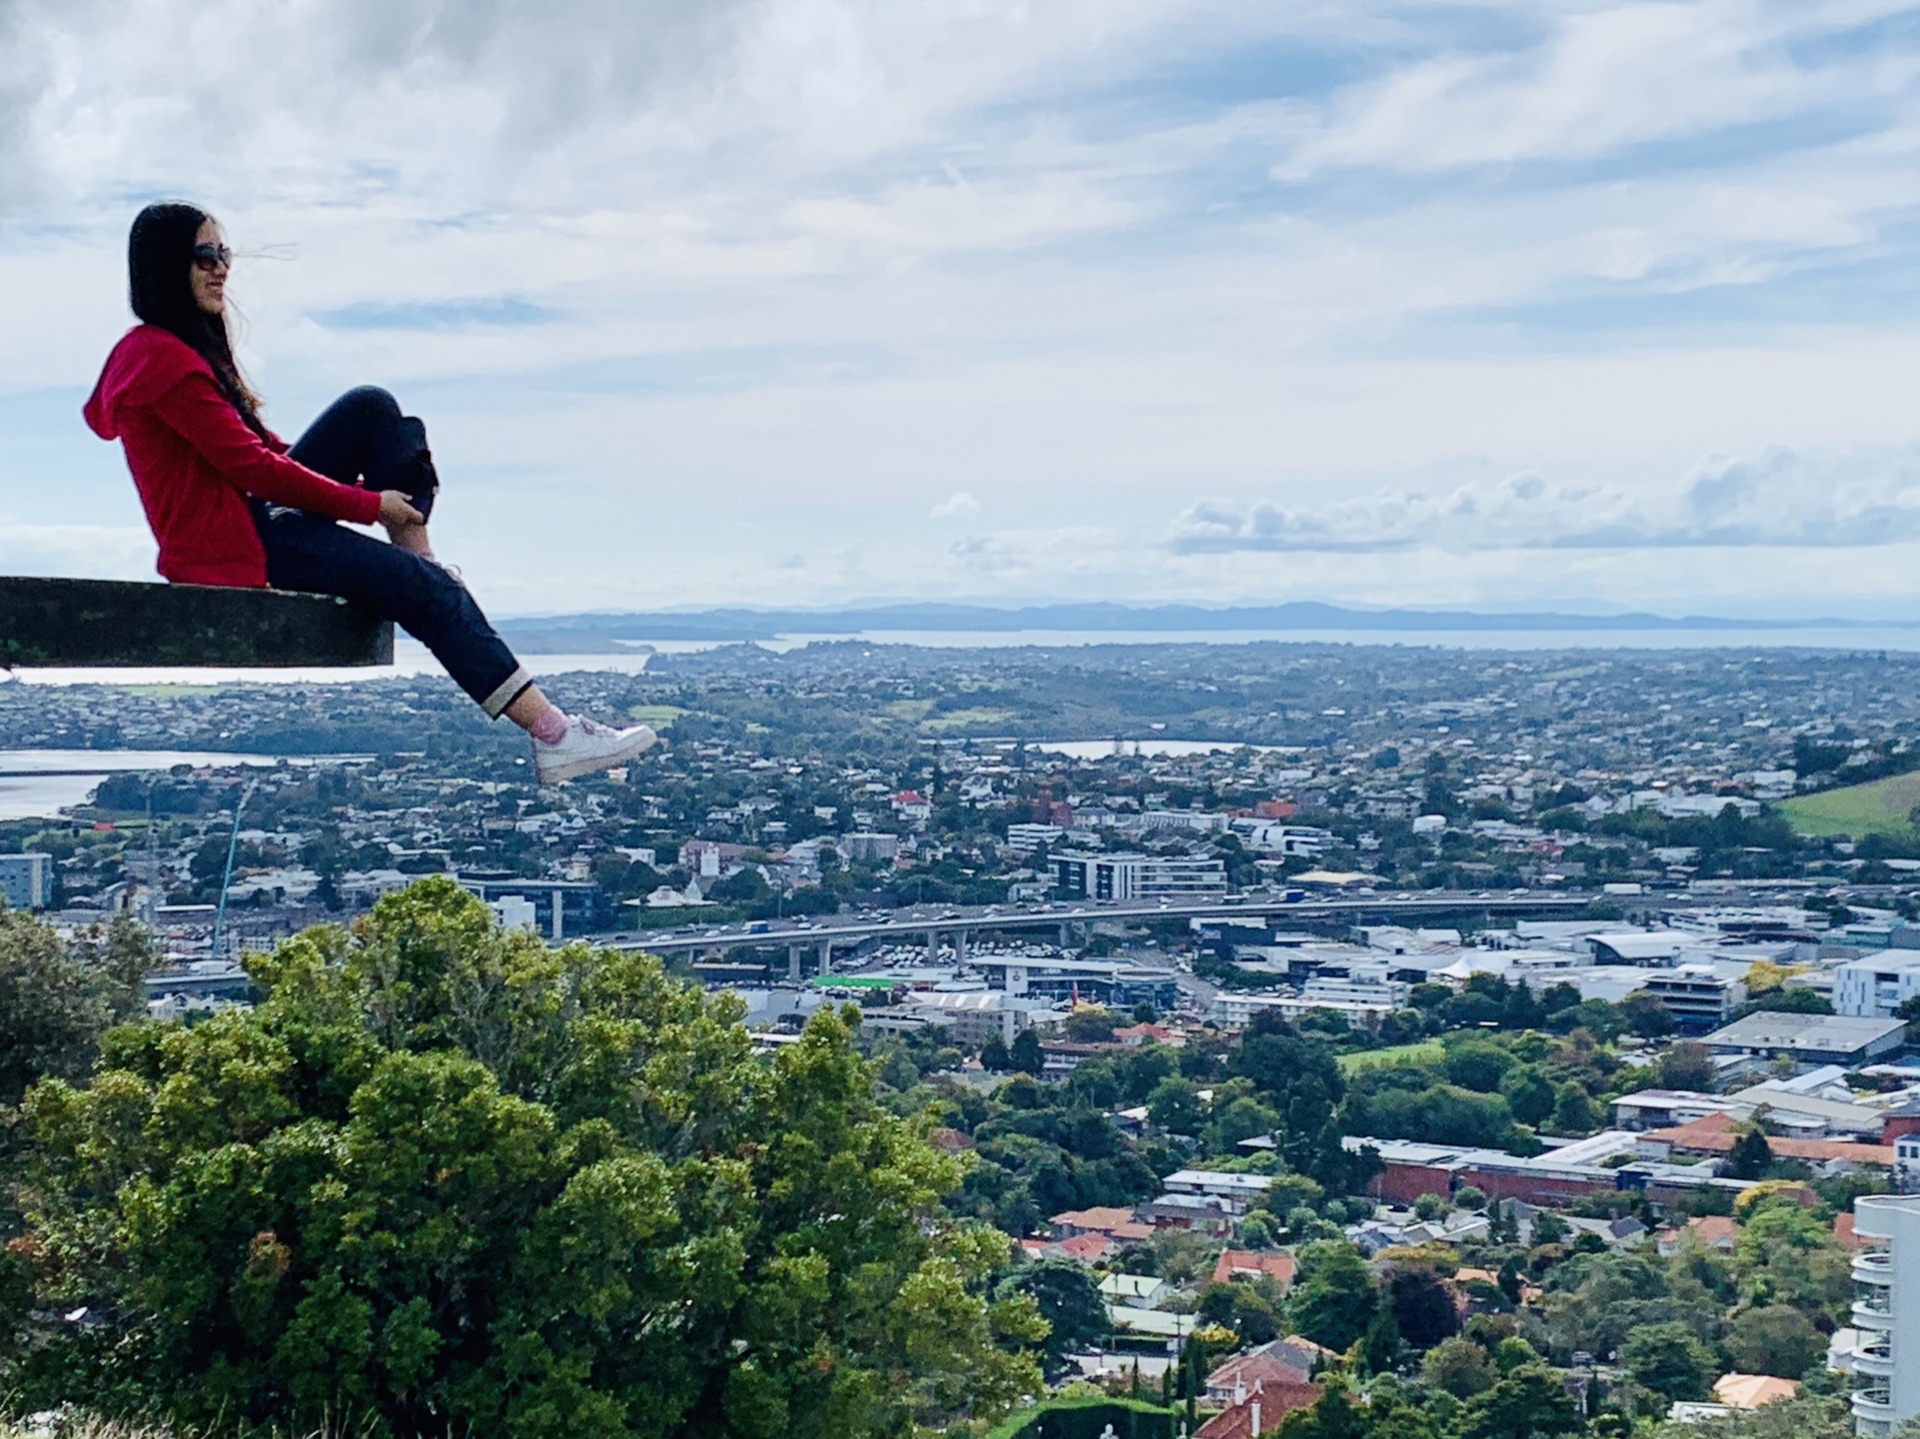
x: 813, y: 302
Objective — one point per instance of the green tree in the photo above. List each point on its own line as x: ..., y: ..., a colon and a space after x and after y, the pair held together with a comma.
x: 445, y: 1177
x: 1750, y: 1158
x: 1381, y: 1348
x: 1786, y: 1256
x: 1238, y: 1119
x: 1458, y: 1366
x: 1478, y: 1065
x: 1595, y: 1300
x: 1334, y: 1297
x: 1175, y: 1105
x: 1430, y: 1206
x: 1529, y: 1094
x: 1091, y: 1025
x: 1667, y: 1359
x: 1646, y: 1016
x: 1529, y: 1403
x: 1574, y: 1112
x: 1139, y: 1070
x: 1422, y: 1306
x: 1775, y: 1339
x: 1332, y: 1416
x: 1024, y: 1055
x: 57, y: 998
x: 1256, y: 1318
x: 1243, y: 1308
x: 1064, y: 1294
x: 1687, y: 1065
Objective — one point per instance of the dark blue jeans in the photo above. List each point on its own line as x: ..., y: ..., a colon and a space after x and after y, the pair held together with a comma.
x: 363, y: 439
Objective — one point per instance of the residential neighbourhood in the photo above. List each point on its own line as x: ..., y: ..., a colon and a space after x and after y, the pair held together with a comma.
x: 1398, y: 1041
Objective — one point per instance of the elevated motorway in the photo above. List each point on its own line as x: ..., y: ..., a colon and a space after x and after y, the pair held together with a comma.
x: 928, y: 922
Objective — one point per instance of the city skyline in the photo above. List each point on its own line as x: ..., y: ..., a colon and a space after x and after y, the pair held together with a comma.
x: 795, y: 303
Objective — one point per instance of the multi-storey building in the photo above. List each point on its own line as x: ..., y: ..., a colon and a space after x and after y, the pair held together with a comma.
x: 1886, y: 1312
x: 1028, y: 837
x: 1137, y: 876
x: 1875, y: 986
x: 1695, y: 996
x: 26, y: 880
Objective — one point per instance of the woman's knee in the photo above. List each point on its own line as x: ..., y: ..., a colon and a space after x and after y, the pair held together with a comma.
x: 428, y: 595
x: 370, y: 402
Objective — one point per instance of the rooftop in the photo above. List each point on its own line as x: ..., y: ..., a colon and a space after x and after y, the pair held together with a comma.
x: 1821, y: 1033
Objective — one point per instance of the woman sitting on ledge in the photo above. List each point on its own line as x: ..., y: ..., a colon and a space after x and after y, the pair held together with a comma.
x: 231, y: 504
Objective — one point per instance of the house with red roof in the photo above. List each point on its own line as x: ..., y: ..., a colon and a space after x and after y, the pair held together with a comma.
x: 1288, y: 1360
x: 1110, y: 1221
x: 1253, y: 1264
x: 1709, y: 1231
x: 1258, y: 1411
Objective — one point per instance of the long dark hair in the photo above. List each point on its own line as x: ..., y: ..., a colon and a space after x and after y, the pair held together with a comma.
x: 159, y: 264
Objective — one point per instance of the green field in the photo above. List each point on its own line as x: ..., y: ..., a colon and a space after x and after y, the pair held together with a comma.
x: 659, y: 716
x: 990, y: 720
x: 1881, y: 807
x: 1427, y: 1051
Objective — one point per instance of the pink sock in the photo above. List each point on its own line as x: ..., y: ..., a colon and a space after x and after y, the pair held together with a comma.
x: 551, y: 727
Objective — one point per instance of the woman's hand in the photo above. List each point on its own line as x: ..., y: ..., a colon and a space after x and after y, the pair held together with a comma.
x: 397, y: 511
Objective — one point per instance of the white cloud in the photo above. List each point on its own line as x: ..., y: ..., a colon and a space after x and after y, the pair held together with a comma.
x: 768, y: 256
x: 115, y: 552
x: 1774, y: 499
x: 1606, y: 77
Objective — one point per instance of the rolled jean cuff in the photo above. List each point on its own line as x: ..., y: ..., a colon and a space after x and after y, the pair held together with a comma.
x: 506, y: 692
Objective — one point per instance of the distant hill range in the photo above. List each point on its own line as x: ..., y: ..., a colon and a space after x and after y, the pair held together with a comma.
x: 590, y: 633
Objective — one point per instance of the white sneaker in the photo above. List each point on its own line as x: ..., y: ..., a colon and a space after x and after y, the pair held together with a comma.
x: 587, y: 747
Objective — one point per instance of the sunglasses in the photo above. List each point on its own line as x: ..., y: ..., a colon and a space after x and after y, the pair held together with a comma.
x: 212, y: 257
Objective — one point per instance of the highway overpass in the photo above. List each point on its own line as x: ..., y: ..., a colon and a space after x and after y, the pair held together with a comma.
x: 824, y: 937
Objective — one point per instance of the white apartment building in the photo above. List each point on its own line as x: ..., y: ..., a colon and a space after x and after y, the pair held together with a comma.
x: 1029, y: 837
x: 1875, y: 986
x: 1886, y: 1311
x: 1137, y: 876
x: 865, y: 847
x: 1360, y: 1003
x: 26, y: 880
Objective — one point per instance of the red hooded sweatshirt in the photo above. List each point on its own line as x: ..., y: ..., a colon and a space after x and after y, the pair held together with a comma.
x: 195, y: 462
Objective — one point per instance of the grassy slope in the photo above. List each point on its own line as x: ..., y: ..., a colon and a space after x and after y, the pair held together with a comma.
x: 1428, y: 1051
x: 1880, y: 807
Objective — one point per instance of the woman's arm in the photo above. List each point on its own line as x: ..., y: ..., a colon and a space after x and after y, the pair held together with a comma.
x: 196, y: 411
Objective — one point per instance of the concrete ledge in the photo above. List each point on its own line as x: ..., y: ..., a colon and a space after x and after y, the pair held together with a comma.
x: 60, y: 623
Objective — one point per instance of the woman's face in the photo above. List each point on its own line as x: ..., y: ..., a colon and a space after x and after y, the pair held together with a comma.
x: 209, y: 280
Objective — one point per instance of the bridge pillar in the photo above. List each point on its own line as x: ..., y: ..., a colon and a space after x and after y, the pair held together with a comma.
x: 826, y: 956
x: 933, y: 946
x: 793, y: 964
x: 1066, y: 939
x: 959, y: 949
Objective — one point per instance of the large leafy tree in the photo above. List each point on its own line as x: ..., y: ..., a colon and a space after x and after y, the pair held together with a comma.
x: 1422, y: 1305
x: 1334, y: 1299
x: 444, y: 1177
x: 1529, y: 1403
x: 1775, y: 1339
x: 1068, y: 1299
x: 58, y: 997
x: 1667, y: 1359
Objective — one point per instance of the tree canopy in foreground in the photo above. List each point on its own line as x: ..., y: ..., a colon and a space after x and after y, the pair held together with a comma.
x: 444, y: 1177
